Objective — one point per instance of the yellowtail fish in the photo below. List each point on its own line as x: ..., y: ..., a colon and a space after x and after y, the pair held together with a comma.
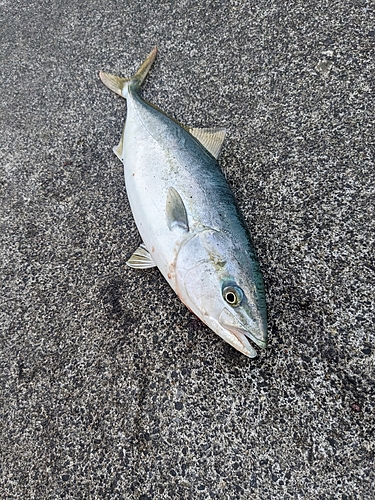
x: 188, y: 219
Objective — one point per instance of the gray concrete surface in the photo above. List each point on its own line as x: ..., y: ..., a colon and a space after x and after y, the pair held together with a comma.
x: 111, y: 389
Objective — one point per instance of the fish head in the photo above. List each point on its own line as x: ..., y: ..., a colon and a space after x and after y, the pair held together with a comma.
x: 220, y: 281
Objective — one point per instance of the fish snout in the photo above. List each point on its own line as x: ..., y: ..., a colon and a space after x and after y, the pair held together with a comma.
x: 254, y: 330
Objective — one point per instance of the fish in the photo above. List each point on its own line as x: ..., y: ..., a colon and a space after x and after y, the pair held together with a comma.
x: 188, y: 219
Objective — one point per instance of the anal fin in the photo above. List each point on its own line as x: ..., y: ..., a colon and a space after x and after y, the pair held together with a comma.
x: 141, y: 258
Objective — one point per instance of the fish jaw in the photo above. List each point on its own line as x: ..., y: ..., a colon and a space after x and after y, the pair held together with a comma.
x: 255, y: 331
x: 261, y: 338
x: 236, y: 338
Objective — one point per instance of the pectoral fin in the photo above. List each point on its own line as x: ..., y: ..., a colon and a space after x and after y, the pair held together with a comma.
x: 210, y: 138
x: 176, y: 211
x: 141, y: 258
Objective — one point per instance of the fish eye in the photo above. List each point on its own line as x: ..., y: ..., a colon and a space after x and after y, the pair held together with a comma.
x: 233, y: 295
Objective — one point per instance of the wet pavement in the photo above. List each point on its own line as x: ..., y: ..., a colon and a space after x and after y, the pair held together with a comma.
x: 111, y: 388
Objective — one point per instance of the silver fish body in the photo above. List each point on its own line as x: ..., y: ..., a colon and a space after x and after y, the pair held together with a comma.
x: 188, y: 219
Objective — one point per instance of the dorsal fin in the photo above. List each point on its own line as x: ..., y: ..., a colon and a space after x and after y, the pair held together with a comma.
x: 210, y: 138
x: 176, y: 211
x: 120, y: 146
x: 118, y: 149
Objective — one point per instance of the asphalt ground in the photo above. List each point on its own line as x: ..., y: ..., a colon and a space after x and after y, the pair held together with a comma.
x: 110, y: 387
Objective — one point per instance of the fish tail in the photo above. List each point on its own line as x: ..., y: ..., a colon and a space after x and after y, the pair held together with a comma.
x: 121, y: 85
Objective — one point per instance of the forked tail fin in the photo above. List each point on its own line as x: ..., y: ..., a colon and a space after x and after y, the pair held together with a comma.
x: 121, y: 85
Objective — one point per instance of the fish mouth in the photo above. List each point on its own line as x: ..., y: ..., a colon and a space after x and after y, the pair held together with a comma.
x: 241, y: 332
x: 245, y: 346
x: 228, y: 321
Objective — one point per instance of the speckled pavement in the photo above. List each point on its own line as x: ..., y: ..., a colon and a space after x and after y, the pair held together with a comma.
x: 110, y: 387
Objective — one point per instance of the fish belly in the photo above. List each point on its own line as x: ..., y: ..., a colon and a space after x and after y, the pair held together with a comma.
x: 148, y: 176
